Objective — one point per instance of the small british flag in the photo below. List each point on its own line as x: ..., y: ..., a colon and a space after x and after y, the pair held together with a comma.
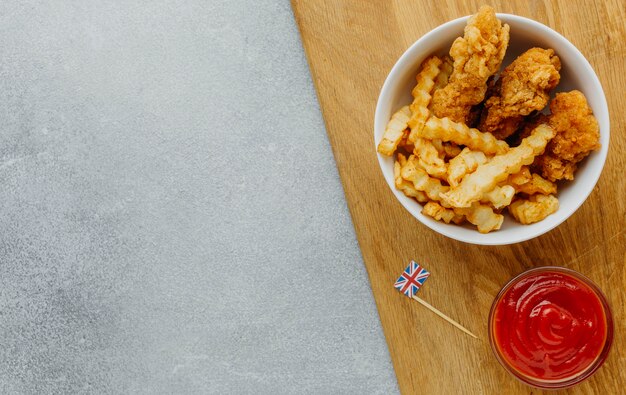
x: 411, y: 279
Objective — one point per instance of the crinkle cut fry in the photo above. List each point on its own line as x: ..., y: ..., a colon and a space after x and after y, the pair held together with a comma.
x: 459, y: 133
x: 450, y: 149
x: 425, y: 82
x: 421, y: 94
x: 534, y: 209
x: 427, y: 154
x: 499, y: 196
x: 440, y: 213
x: 421, y: 180
x: 488, y: 175
x: 394, y: 131
x: 403, y: 185
x: 446, y: 68
x: 428, y: 158
x: 523, y: 176
x: 446, y: 150
x: 404, y: 141
x: 482, y: 216
x: 465, y: 162
x: 531, y: 183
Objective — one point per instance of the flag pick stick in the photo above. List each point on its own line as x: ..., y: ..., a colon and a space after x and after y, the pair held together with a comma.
x: 411, y: 280
x: 445, y: 317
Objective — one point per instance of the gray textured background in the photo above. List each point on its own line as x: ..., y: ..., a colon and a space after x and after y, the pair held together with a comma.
x: 171, y: 217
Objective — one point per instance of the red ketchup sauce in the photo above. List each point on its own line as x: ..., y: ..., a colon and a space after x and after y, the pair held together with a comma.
x: 549, y: 326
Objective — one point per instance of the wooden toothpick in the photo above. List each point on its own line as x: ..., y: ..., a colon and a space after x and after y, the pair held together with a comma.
x: 411, y: 280
x: 445, y: 317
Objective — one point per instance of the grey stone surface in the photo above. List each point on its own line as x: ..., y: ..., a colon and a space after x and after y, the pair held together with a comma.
x: 171, y: 216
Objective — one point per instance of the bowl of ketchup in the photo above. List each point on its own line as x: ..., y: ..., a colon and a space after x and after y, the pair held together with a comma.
x: 550, y: 327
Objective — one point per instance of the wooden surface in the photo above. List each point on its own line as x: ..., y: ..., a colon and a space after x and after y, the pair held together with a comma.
x: 351, y: 46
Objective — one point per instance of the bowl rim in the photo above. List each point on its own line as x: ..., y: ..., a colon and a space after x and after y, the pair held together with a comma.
x: 568, y: 381
x: 406, y: 60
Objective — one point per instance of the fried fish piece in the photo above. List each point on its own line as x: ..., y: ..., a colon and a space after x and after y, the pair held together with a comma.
x: 577, y: 134
x: 477, y: 56
x: 488, y: 175
x: 524, y: 86
x: 533, y: 209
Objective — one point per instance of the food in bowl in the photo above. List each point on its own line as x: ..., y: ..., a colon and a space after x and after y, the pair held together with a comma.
x: 462, y: 173
x: 550, y: 327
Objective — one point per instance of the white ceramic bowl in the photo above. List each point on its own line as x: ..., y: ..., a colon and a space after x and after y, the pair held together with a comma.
x: 576, y: 73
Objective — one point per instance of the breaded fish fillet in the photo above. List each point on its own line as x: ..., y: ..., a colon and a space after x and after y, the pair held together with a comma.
x: 477, y: 56
x: 577, y: 134
x: 524, y: 86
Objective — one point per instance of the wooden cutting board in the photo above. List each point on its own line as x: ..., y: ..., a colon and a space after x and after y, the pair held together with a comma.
x: 351, y: 45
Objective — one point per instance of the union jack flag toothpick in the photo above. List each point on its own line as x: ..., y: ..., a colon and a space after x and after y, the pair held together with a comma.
x: 411, y: 280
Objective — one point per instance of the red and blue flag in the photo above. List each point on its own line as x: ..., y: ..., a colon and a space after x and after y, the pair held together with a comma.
x: 411, y: 279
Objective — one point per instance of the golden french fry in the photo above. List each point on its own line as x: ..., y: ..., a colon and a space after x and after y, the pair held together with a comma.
x: 451, y: 149
x: 394, y: 131
x: 536, y: 184
x: 405, y: 186
x: 419, y: 117
x: 465, y: 162
x: 428, y: 158
x: 446, y: 150
x: 521, y: 177
x: 425, y: 81
x: 411, y: 171
x: 441, y: 80
x: 421, y: 94
x: 459, y: 133
x: 404, y: 141
x: 440, y: 213
x: 438, y: 144
x: 482, y: 216
x: 531, y: 183
x: 499, y: 196
x: 488, y: 175
x: 401, y: 159
x: 533, y: 209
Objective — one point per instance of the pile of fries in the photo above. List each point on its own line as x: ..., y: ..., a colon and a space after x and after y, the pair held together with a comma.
x: 460, y: 173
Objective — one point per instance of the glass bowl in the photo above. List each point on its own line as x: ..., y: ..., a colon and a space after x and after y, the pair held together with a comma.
x: 576, y: 377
